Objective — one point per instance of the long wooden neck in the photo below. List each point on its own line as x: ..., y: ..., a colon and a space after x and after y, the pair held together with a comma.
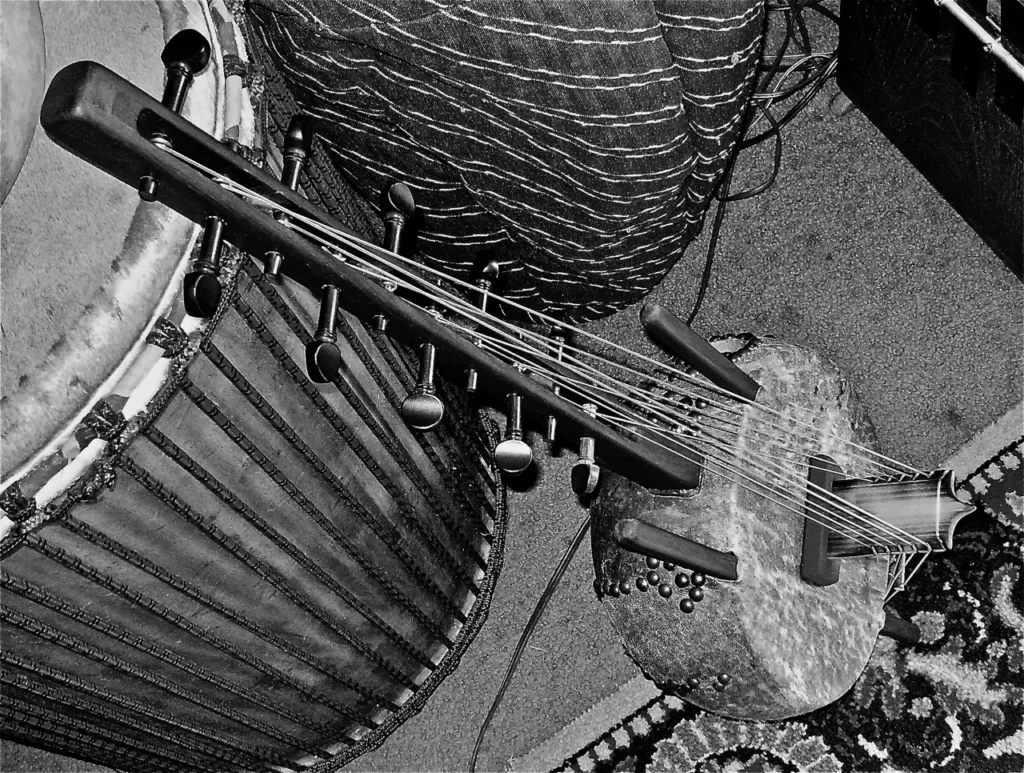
x: 927, y: 508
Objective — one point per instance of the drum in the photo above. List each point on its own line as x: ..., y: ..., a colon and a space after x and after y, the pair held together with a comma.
x: 223, y: 566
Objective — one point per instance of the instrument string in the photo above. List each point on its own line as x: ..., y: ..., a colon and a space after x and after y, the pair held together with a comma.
x: 514, y: 350
x: 720, y: 465
x: 460, y: 306
x: 633, y: 394
x: 457, y: 305
x: 490, y: 321
x: 819, y: 500
x: 644, y: 400
x: 636, y: 396
x: 478, y: 317
x: 570, y: 362
x: 778, y: 470
x: 535, y: 353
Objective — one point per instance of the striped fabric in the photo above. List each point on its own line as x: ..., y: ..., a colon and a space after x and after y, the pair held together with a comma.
x: 581, y: 139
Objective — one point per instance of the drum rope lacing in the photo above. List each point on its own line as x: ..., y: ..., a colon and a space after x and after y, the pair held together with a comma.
x: 188, y: 464
x: 41, y: 596
x: 299, y: 379
x: 80, y: 646
x: 184, y: 735
x: 143, y: 477
x: 387, y: 537
x: 168, y: 498
x: 193, y: 592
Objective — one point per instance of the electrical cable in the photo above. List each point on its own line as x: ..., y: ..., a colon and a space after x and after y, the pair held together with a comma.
x: 538, y: 611
x: 716, y: 229
x: 769, y: 92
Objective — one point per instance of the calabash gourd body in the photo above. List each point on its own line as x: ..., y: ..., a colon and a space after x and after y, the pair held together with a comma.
x: 769, y: 646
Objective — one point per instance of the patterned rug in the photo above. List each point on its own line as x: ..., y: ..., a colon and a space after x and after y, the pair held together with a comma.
x: 953, y: 702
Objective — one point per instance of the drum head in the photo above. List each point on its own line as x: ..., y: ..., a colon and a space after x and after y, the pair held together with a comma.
x: 85, y: 263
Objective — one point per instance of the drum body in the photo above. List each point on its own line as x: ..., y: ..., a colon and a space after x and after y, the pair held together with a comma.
x: 582, y: 142
x: 223, y: 566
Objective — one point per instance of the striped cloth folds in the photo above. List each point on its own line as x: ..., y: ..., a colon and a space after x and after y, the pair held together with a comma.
x: 580, y: 139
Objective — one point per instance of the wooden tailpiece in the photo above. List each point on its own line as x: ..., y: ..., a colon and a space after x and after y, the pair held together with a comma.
x: 926, y: 507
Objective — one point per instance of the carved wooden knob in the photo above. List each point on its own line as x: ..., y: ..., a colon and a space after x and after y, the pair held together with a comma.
x: 513, y: 456
x: 422, y: 410
x: 185, y: 55
x: 323, y: 361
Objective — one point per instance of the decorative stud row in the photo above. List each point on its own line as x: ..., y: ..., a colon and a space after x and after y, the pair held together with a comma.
x: 693, y: 683
x: 662, y: 582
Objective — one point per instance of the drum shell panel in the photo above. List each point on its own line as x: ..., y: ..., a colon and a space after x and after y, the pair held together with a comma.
x: 278, y: 566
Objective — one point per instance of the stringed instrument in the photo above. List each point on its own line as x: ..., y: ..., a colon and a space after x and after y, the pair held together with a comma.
x: 746, y: 534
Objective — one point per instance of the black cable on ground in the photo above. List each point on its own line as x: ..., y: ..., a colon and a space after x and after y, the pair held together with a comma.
x: 538, y: 611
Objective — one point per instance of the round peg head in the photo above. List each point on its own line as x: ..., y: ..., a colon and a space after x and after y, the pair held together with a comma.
x: 513, y: 456
x: 299, y: 137
x: 422, y: 410
x: 202, y: 293
x: 585, y: 476
x: 189, y: 49
x: 323, y: 361
x: 490, y: 271
x: 399, y: 198
x: 486, y: 265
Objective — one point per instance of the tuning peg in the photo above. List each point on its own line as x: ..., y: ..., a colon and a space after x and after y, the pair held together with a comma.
x: 585, y: 473
x: 512, y: 454
x: 202, y: 287
x: 323, y: 359
x: 272, y: 261
x: 185, y: 55
x: 397, y: 207
x: 298, y: 141
x: 558, y: 337
x: 488, y: 274
x: 423, y: 409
